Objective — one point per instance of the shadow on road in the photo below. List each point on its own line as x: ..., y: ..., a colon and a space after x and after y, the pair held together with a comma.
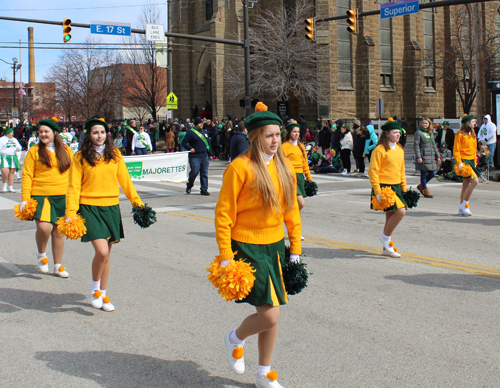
x: 42, y: 301
x: 337, y: 253
x: 472, y: 220
x: 203, y: 234
x: 118, y: 370
x: 451, y: 281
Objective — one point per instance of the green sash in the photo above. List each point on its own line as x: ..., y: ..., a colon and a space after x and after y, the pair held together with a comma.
x: 429, y: 137
x: 201, y: 137
x: 139, y: 137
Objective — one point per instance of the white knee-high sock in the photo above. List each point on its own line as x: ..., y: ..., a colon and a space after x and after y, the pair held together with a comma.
x: 95, y: 286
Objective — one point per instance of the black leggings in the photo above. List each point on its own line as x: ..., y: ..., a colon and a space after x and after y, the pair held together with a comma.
x: 361, y: 163
x: 345, y: 155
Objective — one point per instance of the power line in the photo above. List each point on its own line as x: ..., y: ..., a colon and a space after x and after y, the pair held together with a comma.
x: 71, y: 9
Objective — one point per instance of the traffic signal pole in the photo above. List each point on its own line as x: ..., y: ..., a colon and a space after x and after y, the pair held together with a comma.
x: 246, y: 49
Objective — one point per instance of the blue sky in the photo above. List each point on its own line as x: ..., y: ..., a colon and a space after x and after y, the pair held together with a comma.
x: 125, y: 11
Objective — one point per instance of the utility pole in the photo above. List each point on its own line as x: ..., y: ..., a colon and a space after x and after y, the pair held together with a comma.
x: 170, y: 78
x: 477, y: 64
x: 246, y: 50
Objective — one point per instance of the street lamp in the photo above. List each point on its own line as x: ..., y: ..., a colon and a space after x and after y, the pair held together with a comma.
x: 15, y: 67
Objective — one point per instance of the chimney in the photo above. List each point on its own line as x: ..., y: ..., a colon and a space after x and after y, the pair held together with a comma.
x: 31, y: 50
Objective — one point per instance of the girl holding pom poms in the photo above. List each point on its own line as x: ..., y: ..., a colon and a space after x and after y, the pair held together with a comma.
x: 93, y: 191
x: 464, y: 151
x: 387, y: 176
x: 258, y: 194
x: 294, y: 150
x: 45, y: 180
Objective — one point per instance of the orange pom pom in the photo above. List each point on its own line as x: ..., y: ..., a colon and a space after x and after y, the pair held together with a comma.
x: 466, y: 205
x: 395, y: 249
x: 45, y: 260
x: 238, y: 353
x: 390, y: 119
x: 106, y: 299
x: 272, y: 375
x: 391, y: 244
x: 465, y: 172
x: 73, y: 229
x: 97, y: 294
x: 54, y: 119
x: 28, y: 212
x: 260, y: 106
x: 61, y: 268
x: 234, y: 281
x: 102, y: 119
x: 388, y: 199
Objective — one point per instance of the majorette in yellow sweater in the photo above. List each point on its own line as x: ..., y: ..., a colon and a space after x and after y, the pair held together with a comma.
x: 464, y: 147
x: 294, y: 153
x: 240, y: 214
x: 98, y: 185
x: 40, y: 180
x: 387, y: 167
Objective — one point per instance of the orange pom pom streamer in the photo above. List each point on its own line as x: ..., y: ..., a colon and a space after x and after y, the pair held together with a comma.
x: 106, y: 299
x: 238, y: 353
x: 391, y: 244
x: 45, y: 260
x: 388, y: 199
x: 395, y: 249
x: 54, y: 119
x: 467, y: 205
x: 234, y: 281
x: 466, y: 170
x: 272, y: 375
x: 97, y: 294
x: 61, y: 268
x: 73, y: 229
x: 28, y: 212
x: 260, y: 106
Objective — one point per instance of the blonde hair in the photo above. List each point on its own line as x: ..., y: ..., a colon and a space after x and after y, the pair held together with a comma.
x: 467, y: 130
x: 263, y: 183
x: 430, y: 129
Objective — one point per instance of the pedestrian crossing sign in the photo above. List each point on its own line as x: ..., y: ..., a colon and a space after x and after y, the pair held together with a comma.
x: 172, y: 101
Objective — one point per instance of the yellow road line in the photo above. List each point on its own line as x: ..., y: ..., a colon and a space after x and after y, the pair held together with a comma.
x: 408, y: 257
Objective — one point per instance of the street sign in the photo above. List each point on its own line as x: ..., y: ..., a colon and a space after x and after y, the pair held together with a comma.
x: 172, y: 101
x: 110, y: 28
x: 398, y: 8
x: 283, y: 108
x: 380, y: 107
x: 15, y: 112
x: 155, y: 32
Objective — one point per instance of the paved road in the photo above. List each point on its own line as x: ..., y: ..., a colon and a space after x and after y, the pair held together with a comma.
x: 429, y: 319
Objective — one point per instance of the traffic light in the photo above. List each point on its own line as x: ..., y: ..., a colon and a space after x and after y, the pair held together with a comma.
x: 310, y: 25
x: 66, y: 30
x: 352, y: 21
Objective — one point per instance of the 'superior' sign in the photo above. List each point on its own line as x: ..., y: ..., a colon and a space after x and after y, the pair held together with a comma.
x: 398, y: 8
x: 110, y: 28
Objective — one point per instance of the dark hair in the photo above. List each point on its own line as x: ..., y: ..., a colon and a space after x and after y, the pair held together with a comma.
x: 88, y: 152
x: 63, y: 159
x: 299, y: 143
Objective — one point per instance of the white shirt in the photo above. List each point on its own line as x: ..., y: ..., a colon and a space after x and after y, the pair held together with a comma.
x: 137, y: 143
x: 267, y: 157
x: 294, y: 142
x: 9, y: 146
x: 74, y: 147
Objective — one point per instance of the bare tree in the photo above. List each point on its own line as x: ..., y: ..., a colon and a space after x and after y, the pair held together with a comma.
x: 145, y: 84
x: 282, y: 60
x: 456, y: 62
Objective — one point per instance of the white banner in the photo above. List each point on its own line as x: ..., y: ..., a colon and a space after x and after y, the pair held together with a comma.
x: 171, y: 167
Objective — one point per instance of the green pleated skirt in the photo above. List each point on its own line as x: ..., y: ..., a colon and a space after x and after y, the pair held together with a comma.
x: 102, y: 222
x: 49, y: 208
x: 400, y: 202
x: 10, y: 161
x: 475, y: 172
x: 266, y: 259
x: 301, y: 189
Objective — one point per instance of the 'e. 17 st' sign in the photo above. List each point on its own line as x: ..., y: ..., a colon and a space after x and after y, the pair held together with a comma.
x: 110, y: 28
x: 398, y: 8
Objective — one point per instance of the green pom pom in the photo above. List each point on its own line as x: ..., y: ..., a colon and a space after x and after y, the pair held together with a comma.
x: 144, y: 216
x: 411, y: 198
x: 295, y: 275
x: 311, y: 188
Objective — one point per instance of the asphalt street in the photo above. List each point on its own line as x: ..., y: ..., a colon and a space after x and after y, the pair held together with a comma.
x: 429, y: 319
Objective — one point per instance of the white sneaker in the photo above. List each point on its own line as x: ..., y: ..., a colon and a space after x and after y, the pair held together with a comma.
x: 344, y: 171
x: 61, y: 272
x: 234, y: 355
x: 302, y: 238
x: 43, y: 264
x: 388, y: 248
x: 107, y: 305
x: 11, y: 189
x: 464, y: 211
x: 347, y: 174
x: 96, y: 299
x: 266, y: 382
x: 394, y: 254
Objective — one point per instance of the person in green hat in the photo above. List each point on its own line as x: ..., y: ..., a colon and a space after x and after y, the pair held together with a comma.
x: 9, y: 162
x: 33, y: 140
x: 445, y: 136
x: 387, y: 169
x: 45, y: 179
x: 258, y: 194
x: 464, y: 151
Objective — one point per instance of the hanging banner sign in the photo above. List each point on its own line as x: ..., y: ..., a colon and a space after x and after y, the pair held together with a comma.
x: 171, y: 167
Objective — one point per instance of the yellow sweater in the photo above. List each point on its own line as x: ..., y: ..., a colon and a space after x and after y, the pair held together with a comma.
x: 240, y: 214
x: 464, y: 147
x: 38, y: 179
x: 98, y: 185
x: 387, y: 167
x: 300, y: 163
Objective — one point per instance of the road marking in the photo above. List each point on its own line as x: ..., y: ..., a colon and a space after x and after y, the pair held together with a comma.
x: 168, y: 209
x: 475, y: 269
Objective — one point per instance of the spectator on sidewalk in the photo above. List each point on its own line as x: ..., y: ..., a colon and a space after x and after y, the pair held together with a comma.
x: 371, y: 141
x: 426, y: 156
x: 239, y: 142
x: 346, y: 145
x: 141, y: 142
x: 445, y: 135
x: 488, y: 136
x: 358, y: 150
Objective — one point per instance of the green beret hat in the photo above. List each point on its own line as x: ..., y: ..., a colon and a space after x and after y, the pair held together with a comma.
x: 74, y: 139
x: 90, y: 123
x: 8, y: 130
x: 348, y: 127
x: 291, y: 126
x: 261, y: 117
x: 390, y: 125
x: 51, y: 124
x: 446, y: 123
x: 467, y: 118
